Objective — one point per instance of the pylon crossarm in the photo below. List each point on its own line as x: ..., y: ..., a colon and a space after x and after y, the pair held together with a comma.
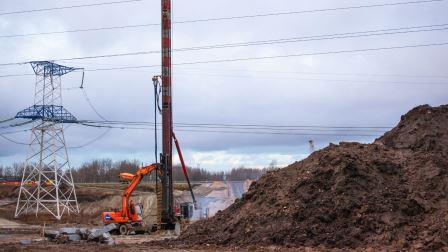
x: 44, y: 173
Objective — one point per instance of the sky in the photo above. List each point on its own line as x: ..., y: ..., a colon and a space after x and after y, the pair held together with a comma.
x: 314, y: 87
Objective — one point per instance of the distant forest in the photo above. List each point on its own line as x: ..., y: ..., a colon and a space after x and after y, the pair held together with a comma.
x: 105, y: 170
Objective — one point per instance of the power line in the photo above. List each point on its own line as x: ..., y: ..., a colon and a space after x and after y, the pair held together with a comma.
x: 86, y: 97
x: 276, y: 57
x: 365, y: 74
x: 280, y: 133
x: 15, y: 75
x: 254, y: 129
x: 341, y: 81
x: 91, y: 141
x: 12, y: 141
x: 220, y: 18
x: 238, y: 128
x: 236, y: 125
x: 264, y: 57
x: 308, y: 11
x: 314, y: 38
x: 77, y: 30
x: 270, y: 128
x: 282, y: 129
x: 253, y: 132
x: 2, y: 135
x: 236, y: 132
x: 16, y: 124
x: 369, y: 33
x: 13, y: 132
x: 313, y: 54
x: 319, y: 73
x: 67, y: 7
x: 91, y: 105
x: 7, y: 120
x: 337, y: 81
x: 265, y: 42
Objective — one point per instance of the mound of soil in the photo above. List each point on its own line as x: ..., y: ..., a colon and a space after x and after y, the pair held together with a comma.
x: 8, y: 191
x: 88, y: 199
x: 423, y: 128
x: 389, y: 193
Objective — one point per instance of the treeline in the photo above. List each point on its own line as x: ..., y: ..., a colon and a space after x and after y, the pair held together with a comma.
x: 105, y: 170
x: 197, y: 174
x: 12, y: 172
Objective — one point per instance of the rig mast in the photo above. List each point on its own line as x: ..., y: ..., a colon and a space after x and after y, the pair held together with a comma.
x: 167, y: 211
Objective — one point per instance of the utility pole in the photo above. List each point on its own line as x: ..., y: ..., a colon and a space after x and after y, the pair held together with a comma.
x: 167, y: 213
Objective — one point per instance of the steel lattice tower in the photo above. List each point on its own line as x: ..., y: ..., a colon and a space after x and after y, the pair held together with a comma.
x: 47, y: 182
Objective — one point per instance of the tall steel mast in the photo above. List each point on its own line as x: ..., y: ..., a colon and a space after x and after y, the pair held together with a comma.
x: 167, y: 213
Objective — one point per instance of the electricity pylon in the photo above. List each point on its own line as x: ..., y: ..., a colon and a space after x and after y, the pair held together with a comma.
x: 47, y: 181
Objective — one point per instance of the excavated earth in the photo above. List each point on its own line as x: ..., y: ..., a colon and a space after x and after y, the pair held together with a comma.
x: 388, y: 194
x: 92, y: 199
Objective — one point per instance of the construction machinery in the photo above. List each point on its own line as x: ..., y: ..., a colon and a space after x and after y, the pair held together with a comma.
x: 129, y: 217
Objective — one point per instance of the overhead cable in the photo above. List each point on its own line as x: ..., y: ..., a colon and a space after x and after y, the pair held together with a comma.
x: 12, y: 141
x: 219, y: 18
x: 277, y: 56
x: 7, y: 120
x: 67, y: 7
x: 238, y: 125
x: 358, y: 34
x: 104, y: 133
x: 236, y: 132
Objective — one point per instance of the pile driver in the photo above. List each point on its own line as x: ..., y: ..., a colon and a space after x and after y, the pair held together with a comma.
x: 129, y: 217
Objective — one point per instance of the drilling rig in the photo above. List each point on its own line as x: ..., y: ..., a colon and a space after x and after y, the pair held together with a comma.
x: 166, y: 205
x: 129, y: 217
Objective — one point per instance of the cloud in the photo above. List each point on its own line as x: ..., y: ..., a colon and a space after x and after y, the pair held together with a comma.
x: 359, y: 89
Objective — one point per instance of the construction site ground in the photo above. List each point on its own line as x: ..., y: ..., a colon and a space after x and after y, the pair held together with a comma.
x: 26, y: 232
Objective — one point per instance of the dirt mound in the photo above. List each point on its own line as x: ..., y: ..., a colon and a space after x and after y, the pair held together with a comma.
x: 8, y: 191
x: 423, y: 128
x: 390, y: 193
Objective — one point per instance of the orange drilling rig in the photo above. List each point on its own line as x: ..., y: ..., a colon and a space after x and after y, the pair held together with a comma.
x: 129, y: 218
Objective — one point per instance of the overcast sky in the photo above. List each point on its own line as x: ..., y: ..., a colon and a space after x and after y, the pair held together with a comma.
x: 371, y: 88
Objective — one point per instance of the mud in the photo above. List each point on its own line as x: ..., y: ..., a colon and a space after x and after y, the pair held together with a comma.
x: 392, y: 193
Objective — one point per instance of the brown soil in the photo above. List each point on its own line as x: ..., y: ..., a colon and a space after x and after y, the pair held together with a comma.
x: 392, y: 193
x: 423, y: 128
x: 93, y: 199
x: 85, y: 196
x: 90, y: 246
x: 8, y: 191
